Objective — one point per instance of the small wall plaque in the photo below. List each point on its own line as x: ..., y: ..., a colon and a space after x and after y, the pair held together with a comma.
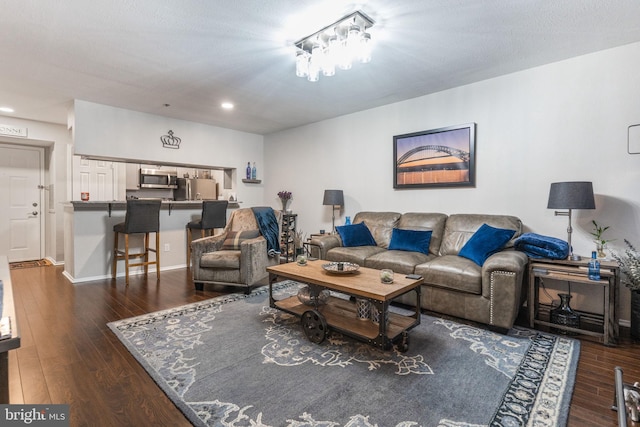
x: 13, y: 131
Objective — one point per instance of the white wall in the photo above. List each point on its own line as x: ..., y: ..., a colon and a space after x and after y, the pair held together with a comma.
x: 565, y: 121
x: 55, y: 139
x: 116, y: 133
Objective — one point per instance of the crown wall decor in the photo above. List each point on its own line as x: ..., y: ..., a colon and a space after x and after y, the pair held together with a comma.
x: 170, y: 141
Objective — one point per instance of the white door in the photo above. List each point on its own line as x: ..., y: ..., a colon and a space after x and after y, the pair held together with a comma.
x: 20, y: 202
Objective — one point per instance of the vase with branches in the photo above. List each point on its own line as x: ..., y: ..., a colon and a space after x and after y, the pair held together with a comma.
x: 284, y: 197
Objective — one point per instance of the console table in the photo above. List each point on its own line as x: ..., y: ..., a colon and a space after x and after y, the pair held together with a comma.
x: 576, y: 272
x: 8, y: 310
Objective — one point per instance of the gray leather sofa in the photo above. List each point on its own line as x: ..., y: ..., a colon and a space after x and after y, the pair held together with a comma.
x: 453, y: 285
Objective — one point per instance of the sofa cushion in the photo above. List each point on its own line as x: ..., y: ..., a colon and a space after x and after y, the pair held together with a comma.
x: 356, y: 254
x: 380, y: 224
x: 460, y: 227
x: 410, y: 240
x: 452, y: 272
x: 402, y: 262
x: 485, y: 242
x: 235, y: 238
x: 425, y: 221
x: 355, y: 235
x: 221, y: 259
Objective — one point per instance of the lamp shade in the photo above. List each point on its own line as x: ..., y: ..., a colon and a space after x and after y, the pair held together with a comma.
x: 333, y: 197
x: 571, y: 195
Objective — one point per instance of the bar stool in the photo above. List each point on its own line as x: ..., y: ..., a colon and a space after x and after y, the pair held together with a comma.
x: 214, y: 215
x: 143, y: 216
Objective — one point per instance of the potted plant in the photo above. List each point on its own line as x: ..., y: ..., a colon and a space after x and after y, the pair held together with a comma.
x: 629, y: 263
x: 601, y: 243
x: 298, y: 240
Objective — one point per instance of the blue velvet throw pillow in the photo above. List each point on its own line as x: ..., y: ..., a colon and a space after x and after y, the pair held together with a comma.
x: 410, y: 240
x: 355, y: 235
x: 485, y: 242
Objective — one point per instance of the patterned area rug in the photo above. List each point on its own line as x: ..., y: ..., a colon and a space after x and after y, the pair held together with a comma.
x: 29, y: 264
x: 234, y: 361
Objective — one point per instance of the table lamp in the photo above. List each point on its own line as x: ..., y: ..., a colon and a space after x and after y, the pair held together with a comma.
x: 571, y: 195
x: 333, y: 198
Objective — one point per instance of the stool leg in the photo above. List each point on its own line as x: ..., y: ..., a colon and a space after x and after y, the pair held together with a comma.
x: 188, y: 247
x: 114, y: 264
x: 157, y: 255
x: 146, y: 254
x: 126, y: 259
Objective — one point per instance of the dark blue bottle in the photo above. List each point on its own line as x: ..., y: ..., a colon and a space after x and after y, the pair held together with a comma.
x: 248, y: 170
x: 594, y: 267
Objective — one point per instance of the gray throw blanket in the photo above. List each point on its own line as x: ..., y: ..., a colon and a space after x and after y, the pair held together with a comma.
x: 268, y: 225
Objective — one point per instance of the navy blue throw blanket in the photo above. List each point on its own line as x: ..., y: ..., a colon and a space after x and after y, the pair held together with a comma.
x: 538, y: 246
x: 268, y: 225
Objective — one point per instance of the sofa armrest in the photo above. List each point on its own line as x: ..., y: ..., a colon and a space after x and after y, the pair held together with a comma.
x: 254, y: 260
x: 503, y: 276
x: 325, y: 243
x: 202, y: 246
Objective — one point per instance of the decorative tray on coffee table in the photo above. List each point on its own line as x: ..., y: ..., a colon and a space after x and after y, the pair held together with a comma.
x: 340, y: 267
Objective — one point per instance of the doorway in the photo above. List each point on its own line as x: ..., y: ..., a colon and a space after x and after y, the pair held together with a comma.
x: 21, y: 206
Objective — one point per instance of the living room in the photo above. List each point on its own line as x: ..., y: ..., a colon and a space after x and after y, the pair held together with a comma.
x: 563, y: 121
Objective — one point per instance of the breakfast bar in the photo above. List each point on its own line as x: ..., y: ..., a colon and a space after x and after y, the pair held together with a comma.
x: 88, y: 236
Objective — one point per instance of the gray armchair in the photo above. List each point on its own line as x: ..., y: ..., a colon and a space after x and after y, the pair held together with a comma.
x: 236, y: 257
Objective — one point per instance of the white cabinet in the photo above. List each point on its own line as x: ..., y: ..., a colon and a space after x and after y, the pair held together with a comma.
x: 133, y: 176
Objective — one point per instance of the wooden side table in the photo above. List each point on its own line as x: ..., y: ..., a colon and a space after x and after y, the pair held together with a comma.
x: 605, y: 326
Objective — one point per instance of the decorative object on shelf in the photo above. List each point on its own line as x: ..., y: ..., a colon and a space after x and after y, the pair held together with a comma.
x: 284, y: 196
x: 170, y: 141
x: 312, y: 295
x: 363, y: 308
x: 248, y: 170
x: 254, y: 171
x: 629, y: 263
x: 377, y: 314
x: 341, y: 267
x: 601, y: 243
x: 571, y: 195
x: 333, y: 198
x: 564, y: 315
x: 337, y: 44
x: 298, y: 240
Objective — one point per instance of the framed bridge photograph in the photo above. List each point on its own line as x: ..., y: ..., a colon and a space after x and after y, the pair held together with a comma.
x: 443, y: 157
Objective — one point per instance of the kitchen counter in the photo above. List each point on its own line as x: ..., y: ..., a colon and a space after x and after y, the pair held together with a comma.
x: 89, y: 237
x: 122, y: 205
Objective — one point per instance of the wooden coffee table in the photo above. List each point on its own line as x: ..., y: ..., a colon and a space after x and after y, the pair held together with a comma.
x: 341, y: 314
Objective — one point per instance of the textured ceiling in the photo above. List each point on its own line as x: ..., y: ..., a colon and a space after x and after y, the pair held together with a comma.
x: 142, y: 54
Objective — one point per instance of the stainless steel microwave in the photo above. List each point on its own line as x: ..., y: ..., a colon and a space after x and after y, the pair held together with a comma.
x: 158, y: 178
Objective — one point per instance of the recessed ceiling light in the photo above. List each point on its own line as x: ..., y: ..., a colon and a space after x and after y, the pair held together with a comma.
x: 6, y: 109
x: 227, y: 105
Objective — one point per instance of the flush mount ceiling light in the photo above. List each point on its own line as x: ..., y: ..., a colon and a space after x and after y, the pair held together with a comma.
x: 336, y: 45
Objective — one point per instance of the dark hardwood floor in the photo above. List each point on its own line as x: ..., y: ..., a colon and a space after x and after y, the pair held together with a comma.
x: 68, y: 355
